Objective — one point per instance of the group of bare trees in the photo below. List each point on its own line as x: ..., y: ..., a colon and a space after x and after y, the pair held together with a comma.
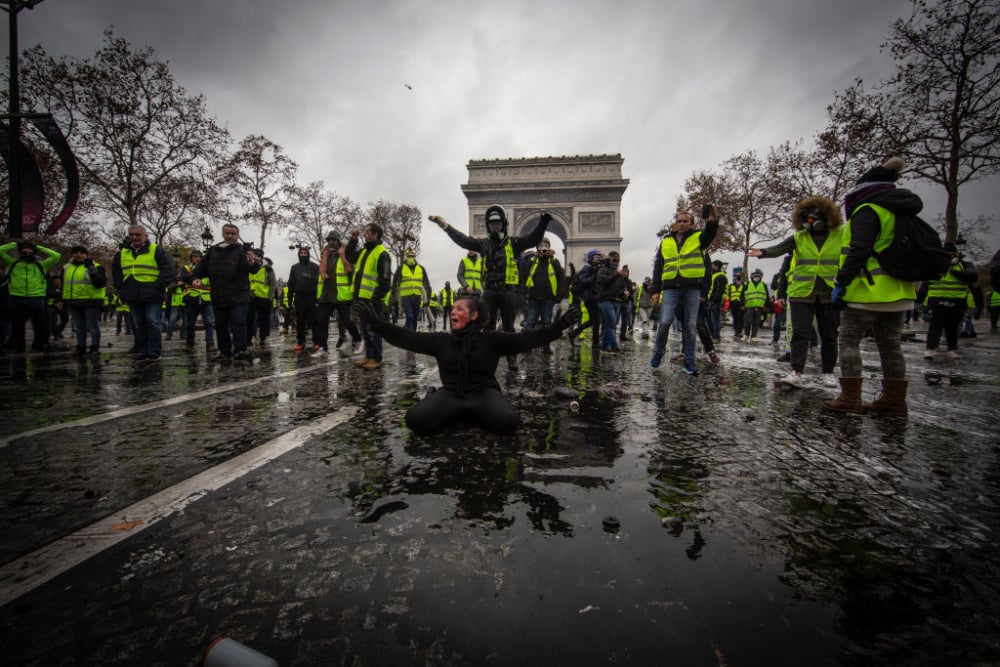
x: 940, y: 110
x: 149, y: 154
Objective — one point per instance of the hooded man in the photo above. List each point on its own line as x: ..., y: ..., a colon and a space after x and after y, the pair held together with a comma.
x: 818, y: 230
x: 303, y: 288
x: 872, y: 299
x: 500, y: 256
x: 27, y: 285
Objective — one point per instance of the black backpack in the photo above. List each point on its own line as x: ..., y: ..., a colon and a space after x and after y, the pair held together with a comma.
x: 915, y: 253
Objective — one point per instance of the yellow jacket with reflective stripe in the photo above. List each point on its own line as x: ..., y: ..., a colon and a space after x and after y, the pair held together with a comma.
x: 812, y: 263
x: 688, y: 260
x: 882, y: 288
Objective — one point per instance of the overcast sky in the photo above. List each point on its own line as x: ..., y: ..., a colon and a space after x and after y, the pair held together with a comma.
x: 674, y: 86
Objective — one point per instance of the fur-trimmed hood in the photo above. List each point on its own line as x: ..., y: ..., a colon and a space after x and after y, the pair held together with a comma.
x: 829, y: 209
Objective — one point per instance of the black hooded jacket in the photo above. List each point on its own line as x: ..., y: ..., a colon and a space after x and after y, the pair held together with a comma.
x: 492, y: 248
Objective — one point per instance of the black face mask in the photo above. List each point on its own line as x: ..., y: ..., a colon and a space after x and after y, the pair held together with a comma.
x: 817, y: 225
x: 304, y: 259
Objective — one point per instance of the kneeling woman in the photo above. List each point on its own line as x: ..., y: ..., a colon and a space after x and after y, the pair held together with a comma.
x: 467, y: 360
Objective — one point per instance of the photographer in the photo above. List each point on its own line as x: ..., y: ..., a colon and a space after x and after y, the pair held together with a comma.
x: 586, y: 289
x: 228, y: 266
x: 544, y: 278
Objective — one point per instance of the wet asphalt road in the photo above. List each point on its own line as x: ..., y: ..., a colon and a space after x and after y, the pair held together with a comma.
x: 669, y: 520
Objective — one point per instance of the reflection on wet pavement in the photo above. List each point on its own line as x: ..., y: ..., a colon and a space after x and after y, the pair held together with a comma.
x: 635, y: 515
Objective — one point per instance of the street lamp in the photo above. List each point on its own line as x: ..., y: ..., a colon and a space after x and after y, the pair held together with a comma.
x: 12, y: 7
x: 206, y: 237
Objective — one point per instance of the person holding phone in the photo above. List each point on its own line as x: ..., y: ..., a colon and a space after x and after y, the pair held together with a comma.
x: 228, y: 266
x: 678, y: 273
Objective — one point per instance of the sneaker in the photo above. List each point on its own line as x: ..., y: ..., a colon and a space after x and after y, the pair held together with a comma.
x: 151, y: 359
x: 713, y: 357
x: 242, y: 355
x: 298, y: 349
x: 954, y: 354
x: 677, y: 358
x: 793, y: 379
x: 657, y: 358
x: 318, y: 351
x: 357, y: 348
x: 689, y: 371
x: 222, y: 357
x: 929, y: 353
x: 829, y: 380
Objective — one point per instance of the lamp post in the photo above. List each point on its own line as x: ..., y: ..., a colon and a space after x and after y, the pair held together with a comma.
x: 207, y: 238
x: 12, y: 7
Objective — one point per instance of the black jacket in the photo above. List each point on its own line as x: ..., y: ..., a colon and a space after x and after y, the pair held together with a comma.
x: 467, y: 359
x: 494, y: 255
x: 228, y: 272
x: 866, y: 227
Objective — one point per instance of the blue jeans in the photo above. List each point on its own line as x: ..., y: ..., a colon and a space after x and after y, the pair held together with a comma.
x: 609, y: 321
x: 539, y: 309
x: 373, y: 342
x: 86, y: 320
x: 231, y: 327
x: 411, y: 310
x: 192, y: 310
x: 686, y: 297
x: 715, y: 319
x: 147, y: 324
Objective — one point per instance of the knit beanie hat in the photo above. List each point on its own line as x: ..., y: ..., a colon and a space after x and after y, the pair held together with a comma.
x: 888, y: 172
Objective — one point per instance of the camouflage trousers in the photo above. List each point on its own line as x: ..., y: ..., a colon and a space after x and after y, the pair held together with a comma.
x: 886, y: 326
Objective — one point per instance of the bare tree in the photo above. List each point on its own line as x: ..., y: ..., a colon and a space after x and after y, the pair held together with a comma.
x: 319, y: 211
x: 131, y: 126
x: 401, y: 224
x: 749, y: 210
x: 261, y: 181
x: 941, y: 107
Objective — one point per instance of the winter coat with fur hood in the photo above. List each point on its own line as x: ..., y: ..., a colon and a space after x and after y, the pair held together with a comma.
x: 833, y: 220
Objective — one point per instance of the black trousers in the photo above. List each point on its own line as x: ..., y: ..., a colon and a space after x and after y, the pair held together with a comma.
x: 802, y: 331
x: 946, y: 316
x: 305, y: 310
x: 487, y: 408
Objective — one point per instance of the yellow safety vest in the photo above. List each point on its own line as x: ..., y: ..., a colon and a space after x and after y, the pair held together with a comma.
x: 811, y: 262
x: 755, y: 295
x: 687, y: 260
x: 369, y: 272
x: 885, y: 289
x: 258, y: 284
x: 204, y: 292
x: 411, y: 280
x: 447, y: 297
x: 142, y: 267
x: 530, y: 282
x: 472, y: 271
x: 76, y: 283
x: 946, y: 287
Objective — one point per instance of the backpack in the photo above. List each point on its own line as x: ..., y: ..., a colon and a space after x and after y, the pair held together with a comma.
x: 915, y: 253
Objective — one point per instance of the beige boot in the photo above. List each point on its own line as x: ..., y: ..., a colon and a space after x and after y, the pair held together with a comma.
x: 892, y: 400
x: 849, y: 399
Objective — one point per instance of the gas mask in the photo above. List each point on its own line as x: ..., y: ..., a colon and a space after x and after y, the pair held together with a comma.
x: 814, y: 222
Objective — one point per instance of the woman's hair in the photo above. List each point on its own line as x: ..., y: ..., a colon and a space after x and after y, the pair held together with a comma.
x: 475, y: 305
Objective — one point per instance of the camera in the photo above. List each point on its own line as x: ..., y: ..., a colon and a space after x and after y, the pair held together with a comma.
x: 247, y: 247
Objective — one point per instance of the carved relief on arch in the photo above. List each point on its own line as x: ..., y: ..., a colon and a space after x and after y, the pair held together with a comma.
x: 597, y: 221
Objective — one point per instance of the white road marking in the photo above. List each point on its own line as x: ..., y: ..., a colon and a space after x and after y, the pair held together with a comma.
x: 155, y: 405
x: 28, y: 572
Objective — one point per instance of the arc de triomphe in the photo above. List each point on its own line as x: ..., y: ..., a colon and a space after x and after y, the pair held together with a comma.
x: 582, y: 192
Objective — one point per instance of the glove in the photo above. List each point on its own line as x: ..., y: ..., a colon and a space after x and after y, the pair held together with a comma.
x: 439, y: 221
x: 955, y: 260
x: 838, y: 296
x: 568, y: 319
x: 363, y: 309
x: 545, y: 218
